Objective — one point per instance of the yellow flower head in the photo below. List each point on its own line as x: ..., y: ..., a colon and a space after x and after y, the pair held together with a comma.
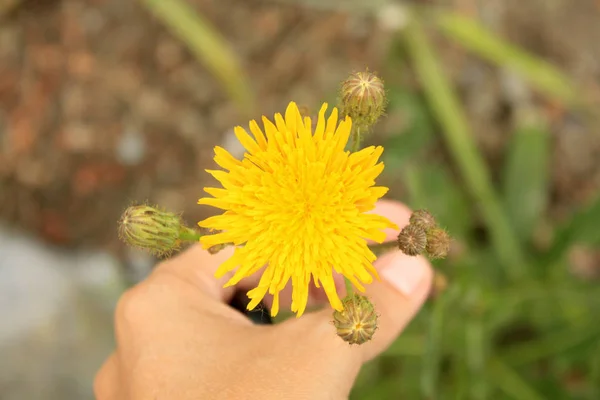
x: 297, y: 202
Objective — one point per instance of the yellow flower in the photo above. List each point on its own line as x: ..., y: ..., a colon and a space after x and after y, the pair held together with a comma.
x: 298, y: 204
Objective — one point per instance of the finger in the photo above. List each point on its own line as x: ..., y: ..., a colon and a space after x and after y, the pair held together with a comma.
x: 405, y: 283
x: 197, y: 267
x: 396, y: 212
x: 106, y: 383
x: 404, y: 286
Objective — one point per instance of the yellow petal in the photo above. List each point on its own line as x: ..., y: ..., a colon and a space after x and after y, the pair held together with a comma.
x: 331, y: 123
x: 225, y: 160
x: 258, y: 135
x: 297, y: 202
x: 275, y: 306
x: 245, y: 139
x: 218, y: 203
x: 292, y: 114
x: 320, y: 128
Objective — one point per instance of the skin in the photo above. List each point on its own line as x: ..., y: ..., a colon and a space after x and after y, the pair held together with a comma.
x: 178, y: 339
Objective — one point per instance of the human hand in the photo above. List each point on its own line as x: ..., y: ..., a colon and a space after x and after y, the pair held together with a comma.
x: 178, y: 339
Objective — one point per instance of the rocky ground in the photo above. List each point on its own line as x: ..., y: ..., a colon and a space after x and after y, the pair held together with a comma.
x: 56, y: 309
x: 101, y: 107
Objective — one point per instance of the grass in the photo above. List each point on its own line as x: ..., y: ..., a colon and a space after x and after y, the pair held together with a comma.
x: 206, y: 43
x: 513, y: 323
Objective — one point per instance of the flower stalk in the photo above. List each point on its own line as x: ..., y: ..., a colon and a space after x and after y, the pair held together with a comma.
x: 189, y: 235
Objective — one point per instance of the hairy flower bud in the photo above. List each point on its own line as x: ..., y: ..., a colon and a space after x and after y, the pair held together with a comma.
x: 438, y: 243
x: 357, y: 323
x: 363, y: 98
x: 423, y: 218
x: 412, y: 240
x: 150, y: 229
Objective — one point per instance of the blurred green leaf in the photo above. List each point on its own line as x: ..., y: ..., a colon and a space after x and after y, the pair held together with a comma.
x: 410, y: 385
x: 526, y: 178
x: 461, y: 145
x: 552, y: 344
x: 430, y: 186
x: 385, y: 389
x: 508, y: 381
x: 433, y: 349
x: 406, y: 345
x: 594, y: 377
x: 514, y: 296
x: 581, y: 228
x: 416, y: 133
x: 369, y: 372
x: 208, y: 46
x: 476, y: 355
x: 414, y: 185
x: 472, y: 35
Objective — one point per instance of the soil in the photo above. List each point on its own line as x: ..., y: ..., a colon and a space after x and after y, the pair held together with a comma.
x: 101, y: 107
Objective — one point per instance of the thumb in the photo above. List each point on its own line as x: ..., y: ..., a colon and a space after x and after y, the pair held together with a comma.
x: 403, y: 288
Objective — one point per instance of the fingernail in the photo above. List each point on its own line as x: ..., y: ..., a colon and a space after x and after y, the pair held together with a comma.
x: 403, y: 272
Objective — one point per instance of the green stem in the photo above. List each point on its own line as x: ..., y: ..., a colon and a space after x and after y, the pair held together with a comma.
x: 355, y: 139
x: 349, y: 289
x: 189, y: 235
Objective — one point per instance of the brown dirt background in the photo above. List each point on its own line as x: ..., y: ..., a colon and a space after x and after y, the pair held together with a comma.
x: 80, y: 80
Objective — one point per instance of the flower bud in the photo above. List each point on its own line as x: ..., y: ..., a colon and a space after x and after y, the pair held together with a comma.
x: 438, y: 243
x: 412, y: 240
x: 423, y: 218
x: 357, y: 323
x: 150, y: 229
x: 363, y: 98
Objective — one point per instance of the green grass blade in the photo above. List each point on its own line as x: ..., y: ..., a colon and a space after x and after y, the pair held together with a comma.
x: 416, y: 134
x: 406, y: 345
x: 583, y: 227
x: 208, y: 46
x: 432, y: 356
x: 473, y: 169
x: 551, y: 344
x: 509, y: 382
x: 595, y: 372
x: 475, y: 338
x: 414, y: 186
x: 526, y: 178
x: 476, y: 38
x: 431, y: 186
